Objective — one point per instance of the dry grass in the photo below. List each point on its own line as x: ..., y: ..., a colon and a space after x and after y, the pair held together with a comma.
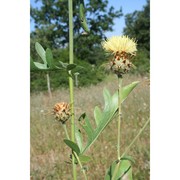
x: 48, y: 152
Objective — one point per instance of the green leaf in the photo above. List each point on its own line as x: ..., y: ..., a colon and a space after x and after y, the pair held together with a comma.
x: 40, y: 50
x: 60, y: 68
x: 103, y: 118
x: 84, y: 159
x: 49, y: 58
x: 111, y: 105
x: 40, y: 66
x: 128, y: 158
x: 81, y: 11
x: 85, y: 123
x: 83, y: 18
x: 123, y: 170
x: 79, y: 138
x: 63, y: 65
x: 72, y: 145
x: 107, y: 98
x: 127, y: 89
x: 69, y: 74
x: 71, y: 66
x: 97, y: 115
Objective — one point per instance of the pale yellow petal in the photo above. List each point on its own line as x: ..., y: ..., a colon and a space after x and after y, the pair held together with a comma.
x: 120, y: 43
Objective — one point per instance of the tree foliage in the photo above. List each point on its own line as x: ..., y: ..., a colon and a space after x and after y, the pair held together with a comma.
x: 51, y: 26
x: 138, y: 27
x: 52, y: 31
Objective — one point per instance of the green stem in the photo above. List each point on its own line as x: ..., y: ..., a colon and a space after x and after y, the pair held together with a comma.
x: 74, y: 153
x: 142, y: 129
x: 71, y: 86
x: 118, y: 164
x: 84, y: 172
x: 119, y: 125
x: 119, y: 115
x: 65, y: 129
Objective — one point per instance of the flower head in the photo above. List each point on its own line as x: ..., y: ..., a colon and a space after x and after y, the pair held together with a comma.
x: 123, y: 49
x: 120, y: 44
x: 62, y: 111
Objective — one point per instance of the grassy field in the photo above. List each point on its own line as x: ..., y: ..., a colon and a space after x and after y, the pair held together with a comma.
x: 49, y: 154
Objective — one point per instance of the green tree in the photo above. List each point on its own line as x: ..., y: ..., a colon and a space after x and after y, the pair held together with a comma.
x: 138, y: 27
x: 51, y: 26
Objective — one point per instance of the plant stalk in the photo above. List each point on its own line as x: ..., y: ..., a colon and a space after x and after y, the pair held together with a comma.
x: 118, y: 164
x: 66, y: 132
x: 119, y: 115
x: 48, y: 85
x: 71, y: 86
x: 119, y: 124
x: 84, y: 172
x: 74, y: 153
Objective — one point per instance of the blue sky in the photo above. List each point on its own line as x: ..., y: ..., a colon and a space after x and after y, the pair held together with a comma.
x: 128, y: 6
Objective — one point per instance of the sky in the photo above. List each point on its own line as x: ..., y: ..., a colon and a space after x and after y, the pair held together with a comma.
x: 128, y: 6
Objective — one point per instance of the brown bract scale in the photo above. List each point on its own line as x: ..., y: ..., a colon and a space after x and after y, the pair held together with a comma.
x: 120, y: 63
x: 62, y: 111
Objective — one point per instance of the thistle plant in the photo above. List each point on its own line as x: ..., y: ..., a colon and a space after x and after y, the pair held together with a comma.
x: 122, y: 49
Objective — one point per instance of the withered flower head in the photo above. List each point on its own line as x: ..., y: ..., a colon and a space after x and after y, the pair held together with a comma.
x: 123, y: 49
x: 62, y: 111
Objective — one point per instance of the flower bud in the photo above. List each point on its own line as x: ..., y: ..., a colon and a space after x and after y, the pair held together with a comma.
x: 62, y: 111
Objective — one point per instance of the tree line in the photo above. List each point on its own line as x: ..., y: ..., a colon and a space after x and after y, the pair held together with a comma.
x: 51, y: 31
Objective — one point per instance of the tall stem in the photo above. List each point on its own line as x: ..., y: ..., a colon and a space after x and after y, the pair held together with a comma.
x: 74, y: 153
x: 127, y: 149
x: 119, y: 125
x: 71, y: 86
x: 119, y: 115
x: 49, y: 86
x: 84, y: 172
x: 66, y: 132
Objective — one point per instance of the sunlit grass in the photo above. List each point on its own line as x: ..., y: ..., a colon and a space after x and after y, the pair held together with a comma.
x: 49, y: 154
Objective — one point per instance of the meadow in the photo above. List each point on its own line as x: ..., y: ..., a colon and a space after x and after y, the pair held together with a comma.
x: 49, y: 154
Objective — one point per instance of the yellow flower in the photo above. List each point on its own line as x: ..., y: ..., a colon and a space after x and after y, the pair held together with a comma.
x: 120, y: 44
x: 123, y: 49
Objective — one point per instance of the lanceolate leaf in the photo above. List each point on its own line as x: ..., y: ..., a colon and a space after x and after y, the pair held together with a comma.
x: 63, y: 65
x: 72, y: 145
x: 127, y: 89
x: 97, y: 115
x: 123, y: 170
x: 128, y: 158
x: 49, y: 58
x: 71, y: 66
x: 111, y: 104
x: 83, y: 18
x: 40, y: 65
x: 107, y: 98
x: 84, y: 159
x: 79, y: 138
x: 40, y: 50
x: 103, y: 118
x: 86, y: 125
